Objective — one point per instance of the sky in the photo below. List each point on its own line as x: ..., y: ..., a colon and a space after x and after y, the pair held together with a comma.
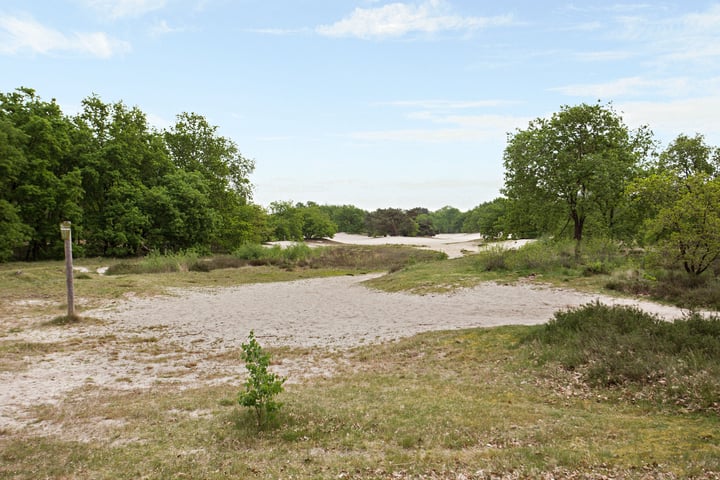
x: 373, y: 103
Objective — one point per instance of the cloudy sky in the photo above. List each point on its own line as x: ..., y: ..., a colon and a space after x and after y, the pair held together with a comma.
x: 368, y: 102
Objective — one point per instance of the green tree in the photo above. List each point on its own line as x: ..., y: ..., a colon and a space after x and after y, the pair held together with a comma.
x: 195, y: 146
x: 688, y: 229
x: 347, y: 218
x: 487, y: 218
x: 390, y: 221
x: 121, y: 160
x: 13, y: 231
x: 316, y: 223
x: 688, y: 156
x: 572, y: 166
x: 448, y: 220
x: 41, y: 185
x: 261, y: 386
x: 285, y: 221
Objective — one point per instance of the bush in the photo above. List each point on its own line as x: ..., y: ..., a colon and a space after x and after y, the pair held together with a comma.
x: 493, y: 259
x: 261, y: 386
x: 624, y: 347
x: 679, y: 288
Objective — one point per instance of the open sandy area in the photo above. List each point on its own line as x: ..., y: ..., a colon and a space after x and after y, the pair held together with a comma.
x: 179, y: 340
x: 453, y: 244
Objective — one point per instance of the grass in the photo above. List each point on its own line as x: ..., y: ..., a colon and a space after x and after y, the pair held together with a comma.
x: 438, y: 405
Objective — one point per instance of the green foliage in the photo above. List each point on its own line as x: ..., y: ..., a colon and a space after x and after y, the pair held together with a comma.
x: 390, y: 221
x: 688, y: 230
x: 572, y: 166
x: 675, y: 363
x: 285, y: 221
x: 670, y: 285
x: 127, y: 188
x: 347, y: 218
x: 489, y: 219
x: 316, y: 223
x: 261, y: 386
x: 687, y: 157
x: 532, y: 258
x: 448, y: 220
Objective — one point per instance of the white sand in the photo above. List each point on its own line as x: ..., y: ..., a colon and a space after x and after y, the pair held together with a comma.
x: 453, y: 244
x: 340, y: 312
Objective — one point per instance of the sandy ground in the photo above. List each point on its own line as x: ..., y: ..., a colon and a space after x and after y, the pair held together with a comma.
x: 179, y: 339
x: 188, y: 337
x: 453, y: 244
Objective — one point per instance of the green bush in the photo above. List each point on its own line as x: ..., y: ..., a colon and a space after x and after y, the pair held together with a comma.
x: 493, y: 259
x: 624, y: 347
x: 677, y: 287
x: 254, y: 251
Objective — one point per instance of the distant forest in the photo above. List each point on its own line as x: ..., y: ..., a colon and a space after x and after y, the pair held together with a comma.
x: 130, y: 189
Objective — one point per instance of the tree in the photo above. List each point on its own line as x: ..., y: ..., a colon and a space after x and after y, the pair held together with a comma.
x: 41, y: 183
x: 195, y: 146
x: 569, y: 167
x: 316, y: 223
x: 487, y: 218
x: 690, y: 156
x: 347, y: 218
x: 688, y: 229
x: 285, y: 221
x: 448, y: 220
x: 261, y: 386
x: 121, y: 159
x: 390, y: 221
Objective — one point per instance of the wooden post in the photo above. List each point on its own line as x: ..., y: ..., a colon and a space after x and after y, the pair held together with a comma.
x: 66, y: 234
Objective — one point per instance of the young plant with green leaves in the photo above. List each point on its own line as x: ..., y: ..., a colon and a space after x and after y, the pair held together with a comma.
x: 261, y: 386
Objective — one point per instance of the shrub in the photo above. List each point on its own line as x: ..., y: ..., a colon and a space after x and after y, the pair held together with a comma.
x: 251, y: 251
x: 617, y: 346
x: 261, y: 386
x: 492, y: 260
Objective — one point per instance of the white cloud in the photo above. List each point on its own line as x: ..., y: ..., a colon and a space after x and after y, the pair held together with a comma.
x: 628, y: 86
x: 669, y: 119
x: 20, y: 35
x: 467, y: 128
x: 162, y: 28
x: 449, y: 104
x: 690, y: 37
x: 604, y: 56
x: 125, y: 8
x: 398, y: 19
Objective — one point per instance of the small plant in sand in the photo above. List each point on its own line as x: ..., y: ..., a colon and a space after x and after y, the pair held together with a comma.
x: 261, y: 386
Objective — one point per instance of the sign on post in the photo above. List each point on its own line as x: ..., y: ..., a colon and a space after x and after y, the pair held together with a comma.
x: 66, y: 234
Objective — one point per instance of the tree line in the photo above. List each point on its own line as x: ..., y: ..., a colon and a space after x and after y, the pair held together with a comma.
x: 129, y: 188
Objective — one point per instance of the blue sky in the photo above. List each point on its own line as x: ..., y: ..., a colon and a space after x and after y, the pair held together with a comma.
x: 372, y: 103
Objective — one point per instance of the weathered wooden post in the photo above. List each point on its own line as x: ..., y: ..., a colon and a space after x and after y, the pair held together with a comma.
x: 66, y: 234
